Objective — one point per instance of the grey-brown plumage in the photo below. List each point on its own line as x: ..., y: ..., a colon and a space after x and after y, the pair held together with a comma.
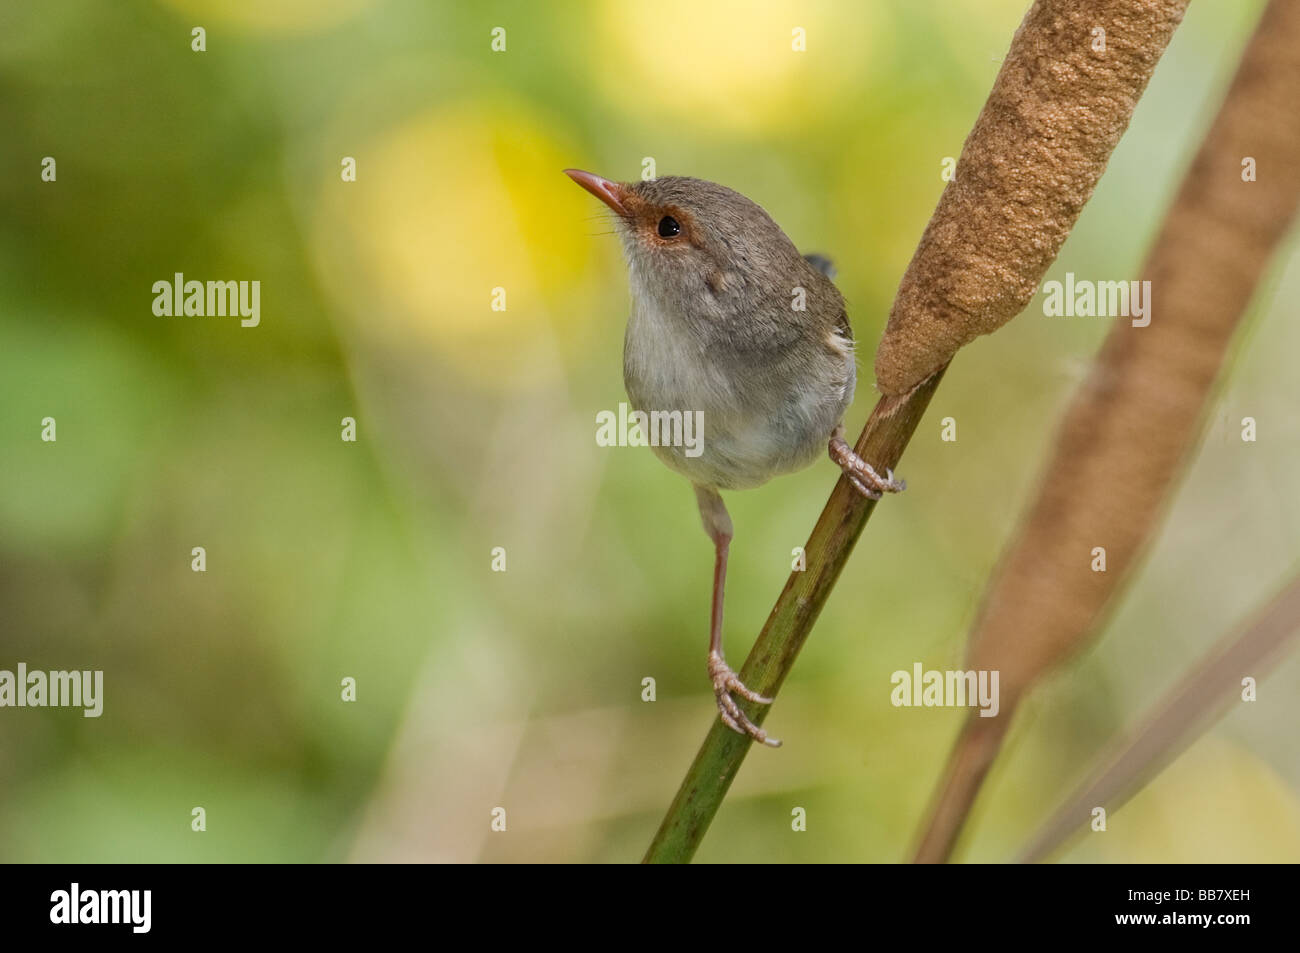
x: 729, y: 320
x: 734, y: 322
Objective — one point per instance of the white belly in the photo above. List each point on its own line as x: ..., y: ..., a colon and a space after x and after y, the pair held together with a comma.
x: 760, y: 418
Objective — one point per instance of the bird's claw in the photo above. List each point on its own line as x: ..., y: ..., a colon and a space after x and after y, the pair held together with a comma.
x: 862, y: 475
x: 725, y: 681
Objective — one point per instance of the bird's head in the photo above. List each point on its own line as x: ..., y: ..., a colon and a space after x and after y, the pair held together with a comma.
x: 698, y: 246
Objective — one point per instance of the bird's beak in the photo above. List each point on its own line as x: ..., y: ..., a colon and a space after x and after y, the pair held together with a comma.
x: 611, y: 193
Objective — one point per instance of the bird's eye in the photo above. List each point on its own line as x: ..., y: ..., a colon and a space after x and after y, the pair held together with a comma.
x: 668, y: 227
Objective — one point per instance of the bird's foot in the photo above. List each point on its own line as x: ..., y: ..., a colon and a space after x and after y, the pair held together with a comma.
x: 725, y: 681
x: 861, y: 474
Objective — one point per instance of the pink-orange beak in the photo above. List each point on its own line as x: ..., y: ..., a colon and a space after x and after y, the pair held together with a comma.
x: 611, y: 193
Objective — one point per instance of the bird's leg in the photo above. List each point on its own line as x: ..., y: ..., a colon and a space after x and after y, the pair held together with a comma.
x: 717, y: 523
x: 861, y: 474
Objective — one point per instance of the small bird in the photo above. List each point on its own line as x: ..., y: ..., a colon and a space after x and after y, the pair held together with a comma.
x: 729, y: 320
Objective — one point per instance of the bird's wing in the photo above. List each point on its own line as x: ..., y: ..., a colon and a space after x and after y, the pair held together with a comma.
x: 842, y: 326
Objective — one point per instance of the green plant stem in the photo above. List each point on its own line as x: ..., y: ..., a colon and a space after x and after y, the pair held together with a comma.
x: 883, y: 440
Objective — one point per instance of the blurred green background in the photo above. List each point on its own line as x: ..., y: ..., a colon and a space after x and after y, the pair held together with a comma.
x: 372, y: 560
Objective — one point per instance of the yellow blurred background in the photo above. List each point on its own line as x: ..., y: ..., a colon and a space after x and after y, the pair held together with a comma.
x: 373, y: 560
